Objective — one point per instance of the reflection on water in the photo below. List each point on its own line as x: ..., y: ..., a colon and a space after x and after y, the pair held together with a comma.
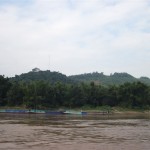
x: 38, y: 132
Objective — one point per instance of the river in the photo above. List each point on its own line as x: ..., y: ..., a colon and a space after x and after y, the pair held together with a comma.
x: 45, y: 132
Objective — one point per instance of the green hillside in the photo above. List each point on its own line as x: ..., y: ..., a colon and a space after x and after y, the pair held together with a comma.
x: 98, y: 78
x: 116, y: 78
x: 49, y: 76
x: 145, y: 80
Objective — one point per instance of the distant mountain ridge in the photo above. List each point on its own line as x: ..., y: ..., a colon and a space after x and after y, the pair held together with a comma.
x: 116, y: 78
x: 49, y: 76
x: 99, y: 78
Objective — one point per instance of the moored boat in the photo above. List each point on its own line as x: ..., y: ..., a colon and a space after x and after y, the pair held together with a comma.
x: 72, y: 112
x: 54, y: 112
x: 18, y: 111
x: 48, y: 112
x: 12, y: 111
x: 36, y: 111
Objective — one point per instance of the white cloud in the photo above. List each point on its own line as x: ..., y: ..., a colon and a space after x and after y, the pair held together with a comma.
x: 78, y: 36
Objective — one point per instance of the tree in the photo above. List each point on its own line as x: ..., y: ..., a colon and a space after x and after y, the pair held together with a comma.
x: 134, y: 95
x: 15, y: 94
x: 5, y: 85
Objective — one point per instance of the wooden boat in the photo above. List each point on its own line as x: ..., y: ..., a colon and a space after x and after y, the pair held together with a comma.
x: 2, y: 111
x: 36, y: 111
x: 22, y: 111
x: 13, y: 111
x: 54, y: 112
x: 72, y: 112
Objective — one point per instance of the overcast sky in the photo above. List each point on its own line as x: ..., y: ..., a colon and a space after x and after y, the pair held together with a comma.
x: 75, y: 36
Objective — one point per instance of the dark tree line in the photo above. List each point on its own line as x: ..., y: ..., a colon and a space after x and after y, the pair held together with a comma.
x: 43, y: 94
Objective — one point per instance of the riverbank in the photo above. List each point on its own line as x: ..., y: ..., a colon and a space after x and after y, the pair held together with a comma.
x: 131, y: 111
x: 119, y: 110
x: 103, y: 110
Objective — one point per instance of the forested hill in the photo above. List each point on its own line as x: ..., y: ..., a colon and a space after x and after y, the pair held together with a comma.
x: 98, y: 78
x: 49, y: 76
x: 116, y: 78
x: 51, y: 90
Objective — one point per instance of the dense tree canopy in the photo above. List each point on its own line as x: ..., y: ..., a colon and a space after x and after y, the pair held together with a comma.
x: 44, y: 94
x: 4, y: 88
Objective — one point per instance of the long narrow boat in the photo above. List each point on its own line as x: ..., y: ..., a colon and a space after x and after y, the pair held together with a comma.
x: 54, y: 112
x: 36, y: 111
x: 72, y: 112
x: 49, y: 112
x: 13, y: 111
x: 22, y: 111
x: 2, y: 111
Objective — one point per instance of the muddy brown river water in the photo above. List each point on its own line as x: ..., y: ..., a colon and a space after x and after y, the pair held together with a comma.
x: 45, y: 132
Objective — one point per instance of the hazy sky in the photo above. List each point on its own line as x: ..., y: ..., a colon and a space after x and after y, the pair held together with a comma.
x: 75, y: 36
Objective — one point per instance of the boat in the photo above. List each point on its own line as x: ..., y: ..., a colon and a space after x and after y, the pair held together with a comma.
x: 72, y: 112
x: 12, y: 111
x: 54, y: 112
x: 48, y: 112
x: 36, y: 111
x: 32, y: 111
